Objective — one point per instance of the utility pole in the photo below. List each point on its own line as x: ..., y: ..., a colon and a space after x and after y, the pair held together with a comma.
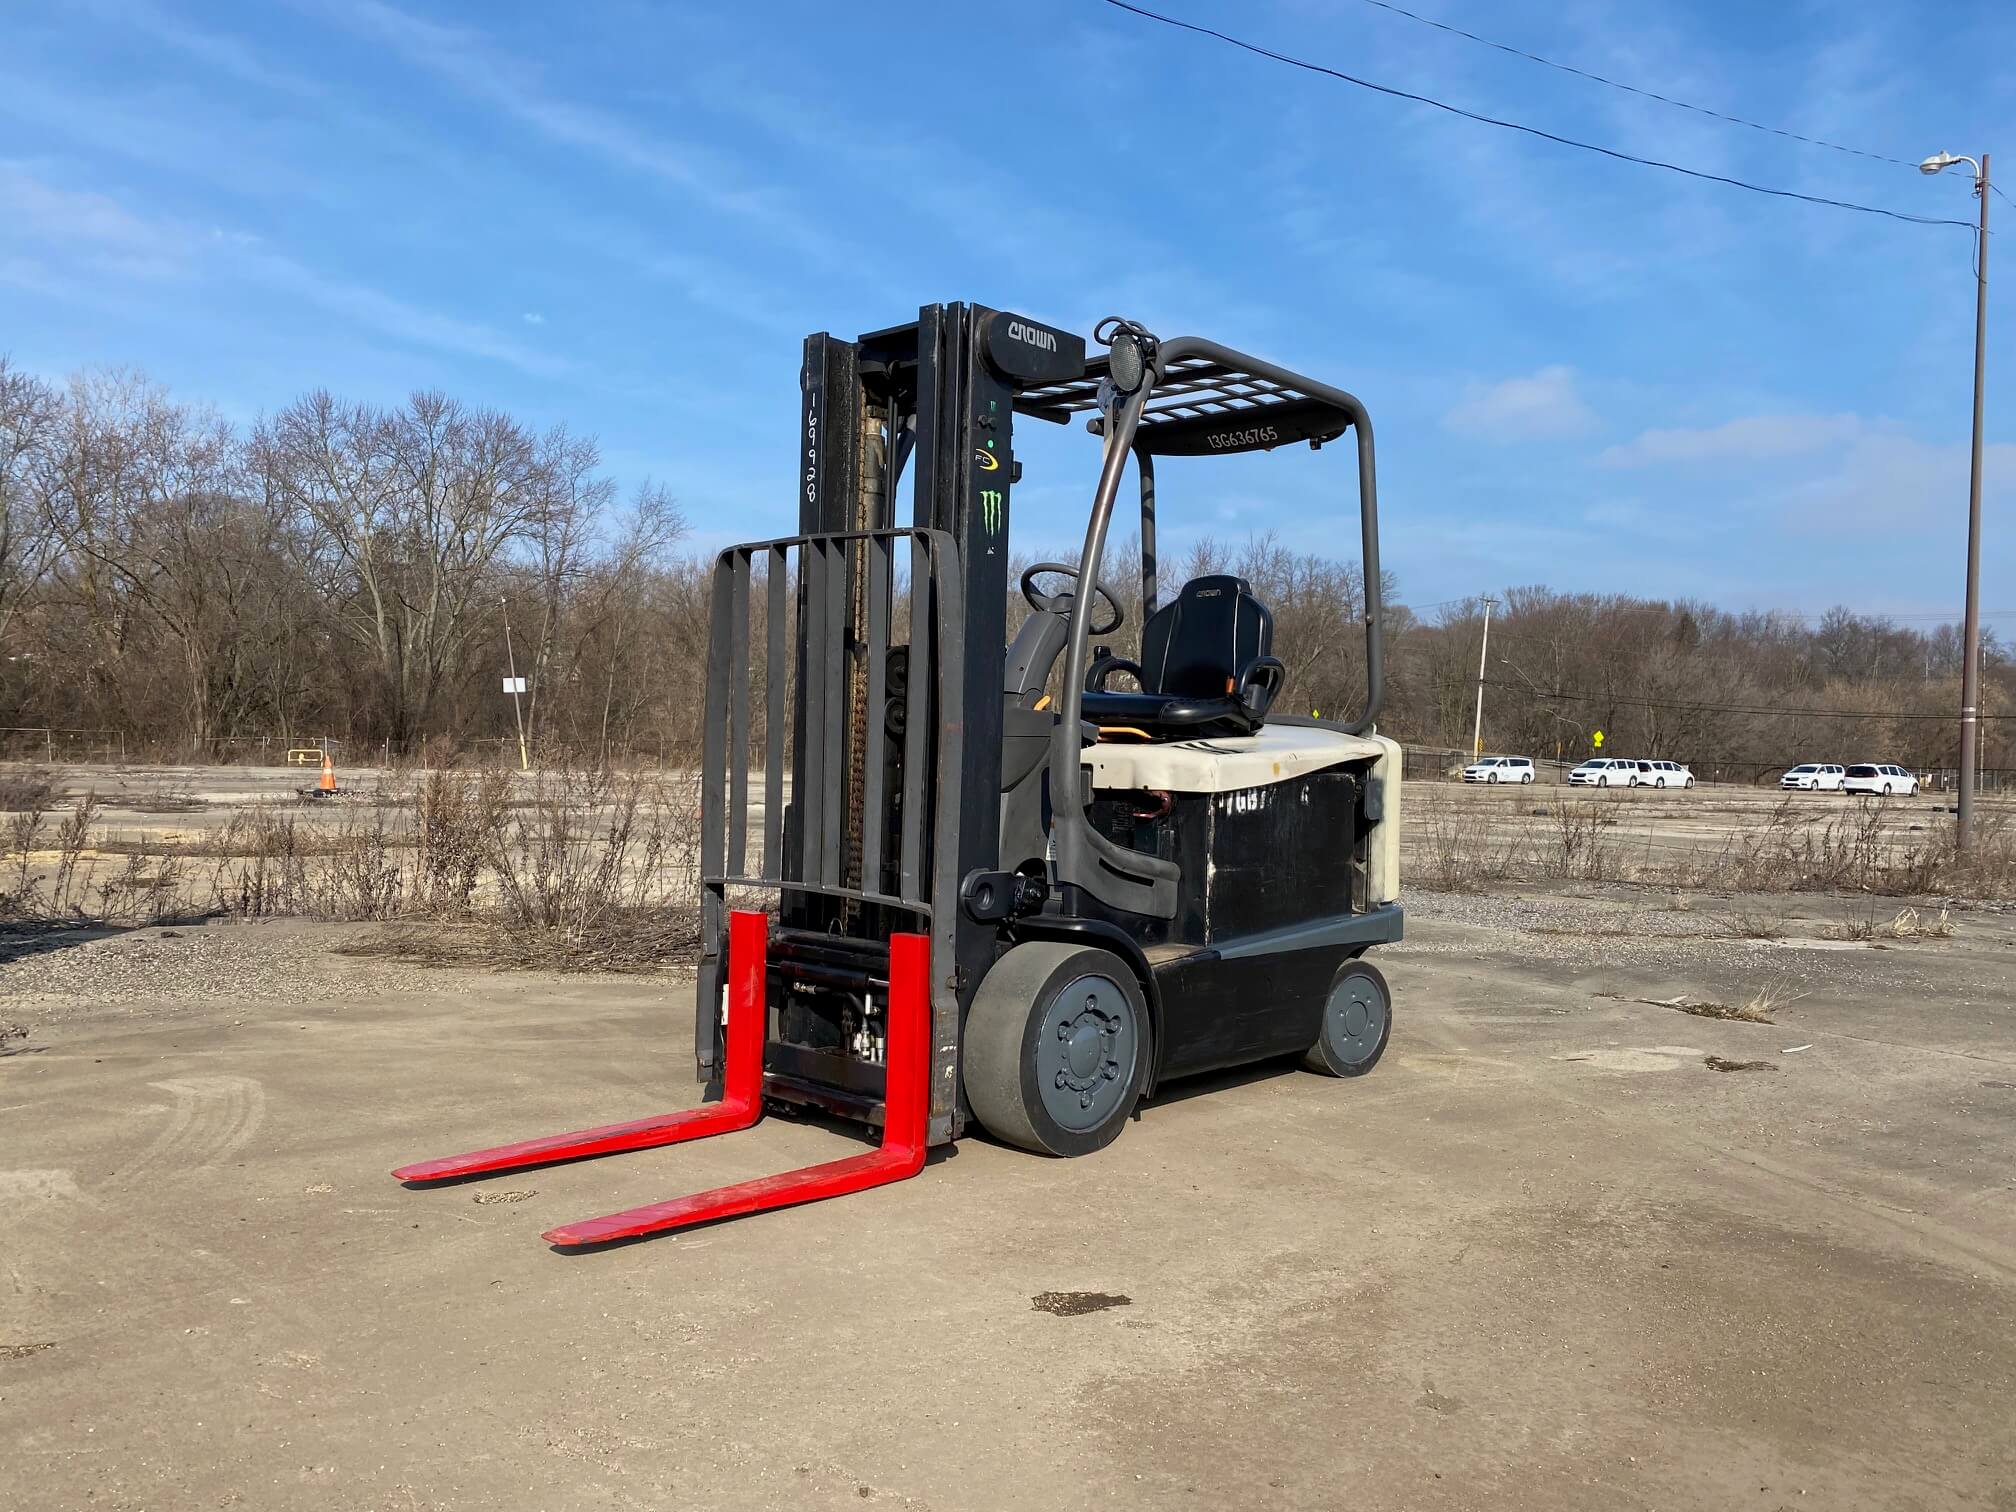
x: 1970, y: 650
x: 511, y: 667
x: 1970, y: 691
x: 1483, y: 653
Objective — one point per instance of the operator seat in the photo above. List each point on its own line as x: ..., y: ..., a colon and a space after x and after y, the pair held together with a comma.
x: 1204, y: 668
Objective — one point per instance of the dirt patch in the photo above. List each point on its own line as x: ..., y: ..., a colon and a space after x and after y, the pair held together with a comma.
x: 1075, y: 1304
x: 1717, y: 1063
x: 484, y: 1199
x: 22, y: 1351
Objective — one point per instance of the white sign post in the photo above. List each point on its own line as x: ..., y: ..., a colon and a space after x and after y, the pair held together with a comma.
x: 514, y: 685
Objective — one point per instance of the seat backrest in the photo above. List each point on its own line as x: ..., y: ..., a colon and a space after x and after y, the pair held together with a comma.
x: 1200, y: 643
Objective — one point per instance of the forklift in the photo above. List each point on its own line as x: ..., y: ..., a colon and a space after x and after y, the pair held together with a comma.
x: 998, y: 891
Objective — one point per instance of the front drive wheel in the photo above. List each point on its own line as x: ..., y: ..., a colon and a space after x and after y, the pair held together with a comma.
x: 1492, y: 779
x: 1357, y: 1022
x: 1057, y: 1048
x: 1602, y: 782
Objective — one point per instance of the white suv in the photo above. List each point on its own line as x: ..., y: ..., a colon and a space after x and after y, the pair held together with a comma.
x: 1605, y: 771
x: 1814, y: 777
x: 1499, y: 769
x: 1664, y: 774
x: 1882, y: 780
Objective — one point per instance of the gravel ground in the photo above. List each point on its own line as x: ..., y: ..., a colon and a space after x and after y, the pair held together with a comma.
x: 1552, y: 1255
x: 1635, y: 932
x: 185, y: 966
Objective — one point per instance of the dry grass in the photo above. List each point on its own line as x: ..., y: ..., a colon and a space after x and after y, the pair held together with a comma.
x: 43, y: 878
x: 1765, y: 1002
x: 1754, y: 924
x: 1461, y: 847
x: 580, y: 868
x: 1908, y: 924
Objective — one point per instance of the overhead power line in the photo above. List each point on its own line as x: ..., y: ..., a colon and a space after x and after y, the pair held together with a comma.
x: 1649, y: 94
x: 1535, y: 131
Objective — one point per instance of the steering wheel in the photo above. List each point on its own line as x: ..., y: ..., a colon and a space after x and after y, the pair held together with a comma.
x: 1060, y: 603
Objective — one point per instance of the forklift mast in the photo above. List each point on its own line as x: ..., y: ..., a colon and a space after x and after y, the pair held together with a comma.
x: 896, y: 750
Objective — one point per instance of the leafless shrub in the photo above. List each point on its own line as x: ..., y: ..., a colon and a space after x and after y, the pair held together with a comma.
x: 42, y: 863
x: 580, y: 868
x: 1578, y: 848
x: 1464, y: 847
x: 347, y: 871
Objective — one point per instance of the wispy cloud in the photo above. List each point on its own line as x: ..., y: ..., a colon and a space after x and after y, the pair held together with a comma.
x: 87, y: 228
x: 1912, y: 490
x: 218, y: 51
x: 533, y: 318
x: 39, y: 211
x: 1541, y: 406
x: 480, y: 71
x: 1749, y: 439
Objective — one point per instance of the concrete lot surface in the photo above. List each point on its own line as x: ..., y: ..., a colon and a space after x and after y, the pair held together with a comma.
x: 1544, y: 1256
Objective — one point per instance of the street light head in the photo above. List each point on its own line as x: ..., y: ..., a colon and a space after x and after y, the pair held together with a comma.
x: 1939, y: 162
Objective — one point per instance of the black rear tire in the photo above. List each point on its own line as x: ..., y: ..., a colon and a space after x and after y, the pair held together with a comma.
x: 1357, y: 1022
x: 1057, y: 1048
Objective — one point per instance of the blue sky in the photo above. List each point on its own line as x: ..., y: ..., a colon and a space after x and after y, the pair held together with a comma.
x: 624, y: 217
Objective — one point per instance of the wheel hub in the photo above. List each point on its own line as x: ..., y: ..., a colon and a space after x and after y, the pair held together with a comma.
x: 1085, y: 1052
x: 1355, y: 1018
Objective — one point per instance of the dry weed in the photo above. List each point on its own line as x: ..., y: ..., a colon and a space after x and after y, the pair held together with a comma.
x: 1755, y: 924
x: 1765, y: 1002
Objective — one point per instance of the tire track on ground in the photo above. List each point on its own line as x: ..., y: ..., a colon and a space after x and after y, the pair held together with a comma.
x: 211, y: 1117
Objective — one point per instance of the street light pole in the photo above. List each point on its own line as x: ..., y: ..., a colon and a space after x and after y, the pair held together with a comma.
x: 1970, y: 632
x: 1970, y: 689
x: 1483, y: 652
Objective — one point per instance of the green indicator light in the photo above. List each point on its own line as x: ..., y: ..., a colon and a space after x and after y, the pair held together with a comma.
x: 990, y: 445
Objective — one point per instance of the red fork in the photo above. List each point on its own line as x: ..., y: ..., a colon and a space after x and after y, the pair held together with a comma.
x: 740, y: 1106
x: 906, y: 1107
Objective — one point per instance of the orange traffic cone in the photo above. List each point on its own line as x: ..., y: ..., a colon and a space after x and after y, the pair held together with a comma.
x: 328, y: 783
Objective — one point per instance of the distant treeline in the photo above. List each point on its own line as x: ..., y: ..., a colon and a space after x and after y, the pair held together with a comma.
x: 344, y: 570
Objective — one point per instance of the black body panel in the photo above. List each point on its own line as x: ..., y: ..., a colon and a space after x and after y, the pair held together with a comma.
x: 1255, y: 860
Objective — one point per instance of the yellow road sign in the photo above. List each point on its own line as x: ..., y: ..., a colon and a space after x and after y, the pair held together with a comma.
x: 1598, y: 739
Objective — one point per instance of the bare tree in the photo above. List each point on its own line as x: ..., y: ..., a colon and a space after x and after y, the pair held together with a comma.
x: 29, y: 545
x: 409, y: 514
